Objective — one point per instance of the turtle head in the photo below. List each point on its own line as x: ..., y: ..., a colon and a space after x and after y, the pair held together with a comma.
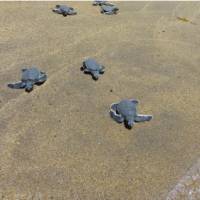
x: 29, y: 86
x: 129, y: 122
x: 95, y: 75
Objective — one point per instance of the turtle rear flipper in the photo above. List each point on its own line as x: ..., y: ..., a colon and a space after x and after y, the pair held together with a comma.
x: 134, y: 101
x: 143, y: 118
x: 19, y: 85
x: 42, y: 79
x: 57, y: 10
x: 102, y: 70
x: 108, y: 12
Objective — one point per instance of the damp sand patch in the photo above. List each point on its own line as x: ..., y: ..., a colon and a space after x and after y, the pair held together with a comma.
x: 183, y: 19
x: 188, y: 188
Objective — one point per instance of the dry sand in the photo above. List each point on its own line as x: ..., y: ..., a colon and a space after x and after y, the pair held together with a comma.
x: 58, y: 142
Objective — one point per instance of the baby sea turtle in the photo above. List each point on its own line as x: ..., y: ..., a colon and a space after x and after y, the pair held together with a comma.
x: 90, y: 66
x: 64, y: 10
x: 125, y: 111
x: 30, y: 77
x: 109, y: 9
x: 100, y: 3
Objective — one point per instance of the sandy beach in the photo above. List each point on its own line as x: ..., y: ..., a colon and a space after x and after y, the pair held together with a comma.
x: 59, y: 142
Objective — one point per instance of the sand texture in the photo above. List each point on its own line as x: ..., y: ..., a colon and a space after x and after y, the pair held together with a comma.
x: 59, y: 142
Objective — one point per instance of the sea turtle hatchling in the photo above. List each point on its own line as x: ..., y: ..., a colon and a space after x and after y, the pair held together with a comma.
x: 64, y: 10
x: 100, y: 3
x: 30, y: 77
x: 125, y: 111
x: 90, y: 66
x: 109, y: 9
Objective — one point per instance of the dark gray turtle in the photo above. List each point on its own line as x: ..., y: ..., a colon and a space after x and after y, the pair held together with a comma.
x: 109, y: 9
x: 100, y: 3
x: 30, y: 77
x: 92, y: 67
x: 64, y: 10
x: 125, y: 111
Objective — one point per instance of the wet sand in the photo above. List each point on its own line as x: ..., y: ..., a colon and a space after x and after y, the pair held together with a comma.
x: 58, y: 142
x: 189, y: 185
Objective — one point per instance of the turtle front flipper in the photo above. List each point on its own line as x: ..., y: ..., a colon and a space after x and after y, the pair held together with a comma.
x: 113, y: 113
x: 19, y: 85
x: 143, y: 118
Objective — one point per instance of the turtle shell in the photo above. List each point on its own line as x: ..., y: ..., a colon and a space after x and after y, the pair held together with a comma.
x: 32, y: 74
x: 126, y: 108
x: 109, y: 8
x: 92, y: 65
